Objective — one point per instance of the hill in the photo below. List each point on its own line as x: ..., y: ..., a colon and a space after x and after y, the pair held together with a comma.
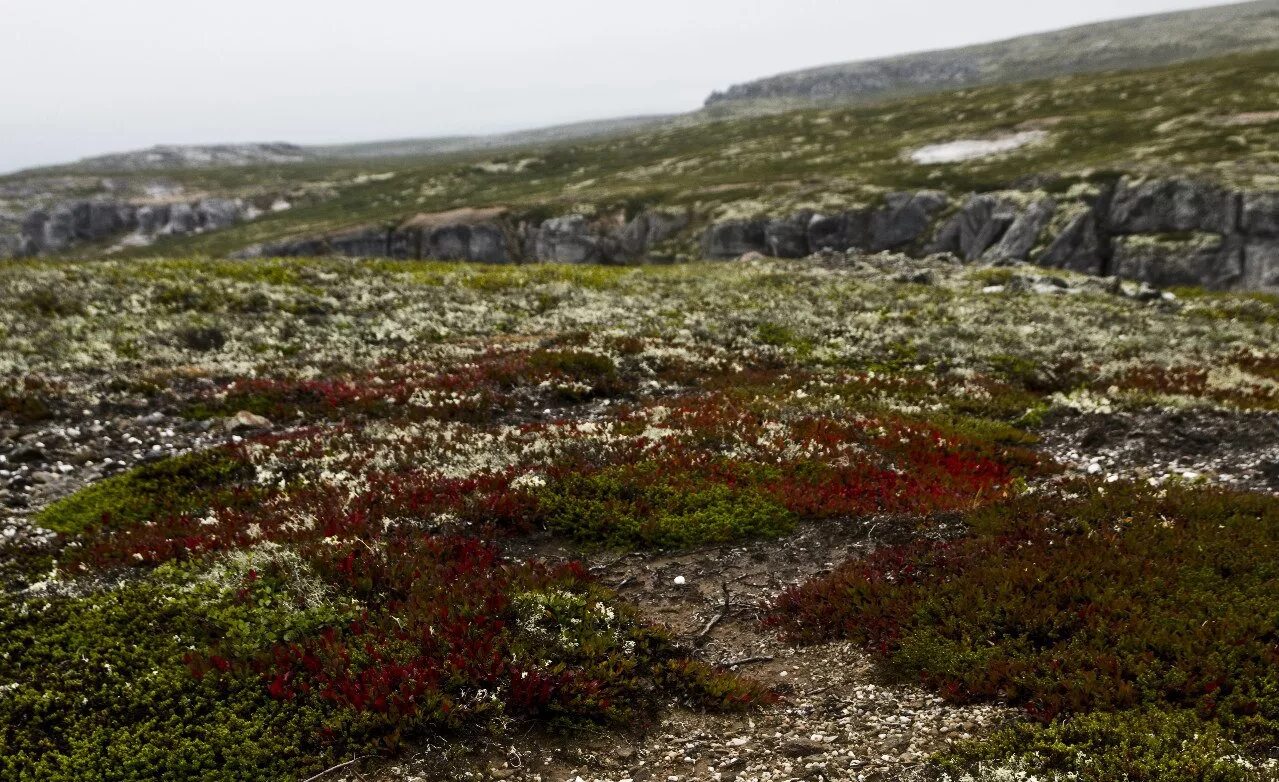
x: 1139, y: 42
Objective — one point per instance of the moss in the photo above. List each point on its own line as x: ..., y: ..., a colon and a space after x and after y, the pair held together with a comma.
x: 642, y: 506
x: 1150, y: 745
x: 178, y: 485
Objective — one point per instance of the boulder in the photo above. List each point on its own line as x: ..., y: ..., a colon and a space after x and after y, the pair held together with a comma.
x: 216, y: 213
x: 151, y: 219
x: 650, y: 228
x: 1261, y: 214
x: 1207, y: 260
x: 1023, y: 234
x: 360, y: 243
x: 1261, y: 265
x: 979, y: 224
x: 1077, y: 247
x: 840, y: 232
x: 1172, y: 206
x: 787, y: 237
x: 488, y: 244
x: 447, y: 243
x: 735, y: 238
x: 182, y: 220
x: 568, y: 239
x: 904, y: 219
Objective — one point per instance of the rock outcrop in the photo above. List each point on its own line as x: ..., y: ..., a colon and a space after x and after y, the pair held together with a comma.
x: 492, y: 235
x: 67, y: 224
x: 1164, y: 232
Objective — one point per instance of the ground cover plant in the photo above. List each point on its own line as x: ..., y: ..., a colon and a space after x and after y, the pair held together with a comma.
x: 344, y: 584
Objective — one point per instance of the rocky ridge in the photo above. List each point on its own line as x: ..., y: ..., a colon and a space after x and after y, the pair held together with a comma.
x: 1165, y: 232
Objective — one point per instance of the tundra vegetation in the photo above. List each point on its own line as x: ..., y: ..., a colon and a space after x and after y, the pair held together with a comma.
x: 343, y: 585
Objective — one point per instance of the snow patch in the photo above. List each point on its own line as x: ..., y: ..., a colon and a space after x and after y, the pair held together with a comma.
x: 972, y: 149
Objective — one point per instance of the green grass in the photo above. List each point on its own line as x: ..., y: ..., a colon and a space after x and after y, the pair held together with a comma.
x: 177, y: 485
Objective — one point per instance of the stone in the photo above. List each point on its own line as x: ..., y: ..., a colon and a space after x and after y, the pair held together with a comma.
x: 488, y: 245
x: 1261, y: 214
x: 1172, y: 206
x: 151, y: 219
x: 1208, y: 260
x: 360, y: 243
x: 26, y: 454
x: 568, y: 239
x: 788, y: 237
x: 978, y: 225
x: 734, y: 238
x: 1261, y: 265
x: 650, y: 228
x: 1023, y: 234
x: 202, y: 339
x: 213, y: 214
x: 245, y: 421
x: 840, y: 232
x: 904, y: 219
x: 1078, y: 247
x: 182, y: 220
x: 448, y: 243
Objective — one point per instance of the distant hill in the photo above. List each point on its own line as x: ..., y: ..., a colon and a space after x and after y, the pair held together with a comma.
x: 167, y: 157
x: 1139, y: 42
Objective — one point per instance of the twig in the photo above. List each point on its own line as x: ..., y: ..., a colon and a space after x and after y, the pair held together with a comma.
x: 624, y: 582
x: 764, y: 658
x: 339, y: 766
x: 718, y: 617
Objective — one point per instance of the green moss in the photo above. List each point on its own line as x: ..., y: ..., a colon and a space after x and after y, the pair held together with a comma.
x: 102, y: 691
x: 181, y: 484
x: 642, y: 506
x: 1143, y: 745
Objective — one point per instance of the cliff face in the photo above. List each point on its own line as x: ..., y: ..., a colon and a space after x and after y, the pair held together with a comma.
x: 1165, y: 232
x: 1129, y: 43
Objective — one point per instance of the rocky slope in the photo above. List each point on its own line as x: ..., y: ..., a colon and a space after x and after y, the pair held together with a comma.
x: 1127, y: 43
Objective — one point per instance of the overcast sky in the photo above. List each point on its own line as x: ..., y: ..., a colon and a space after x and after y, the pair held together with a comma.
x: 84, y: 77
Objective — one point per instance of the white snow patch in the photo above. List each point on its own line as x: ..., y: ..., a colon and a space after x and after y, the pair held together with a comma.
x: 972, y: 148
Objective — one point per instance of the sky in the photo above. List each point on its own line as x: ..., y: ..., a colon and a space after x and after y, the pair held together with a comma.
x: 86, y: 77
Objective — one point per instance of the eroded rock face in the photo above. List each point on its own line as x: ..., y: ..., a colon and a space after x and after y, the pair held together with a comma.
x: 1172, y: 206
x: 570, y: 239
x: 904, y: 219
x: 1261, y: 265
x: 1260, y: 214
x: 735, y: 238
x: 1023, y: 233
x: 1078, y: 247
x: 649, y: 229
x: 788, y: 237
x: 1209, y: 260
x: 67, y: 224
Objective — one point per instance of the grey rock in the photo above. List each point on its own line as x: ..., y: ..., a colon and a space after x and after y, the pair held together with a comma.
x: 979, y: 224
x: 488, y: 245
x: 735, y: 238
x: 360, y: 243
x: 26, y: 454
x: 1261, y: 214
x: 202, y: 338
x: 182, y: 220
x: 1078, y: 247
x: 568, y: 239
x: 213, y: 214
x: 904, y: 219
x: 152, y: 218
x: 650, y: 228
x: 1172, y: 206
x: 788, y: 237
x: 1261, y: 265
x: 1024, y: 232
x: 1211, y: 261
x: 840, y: 232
